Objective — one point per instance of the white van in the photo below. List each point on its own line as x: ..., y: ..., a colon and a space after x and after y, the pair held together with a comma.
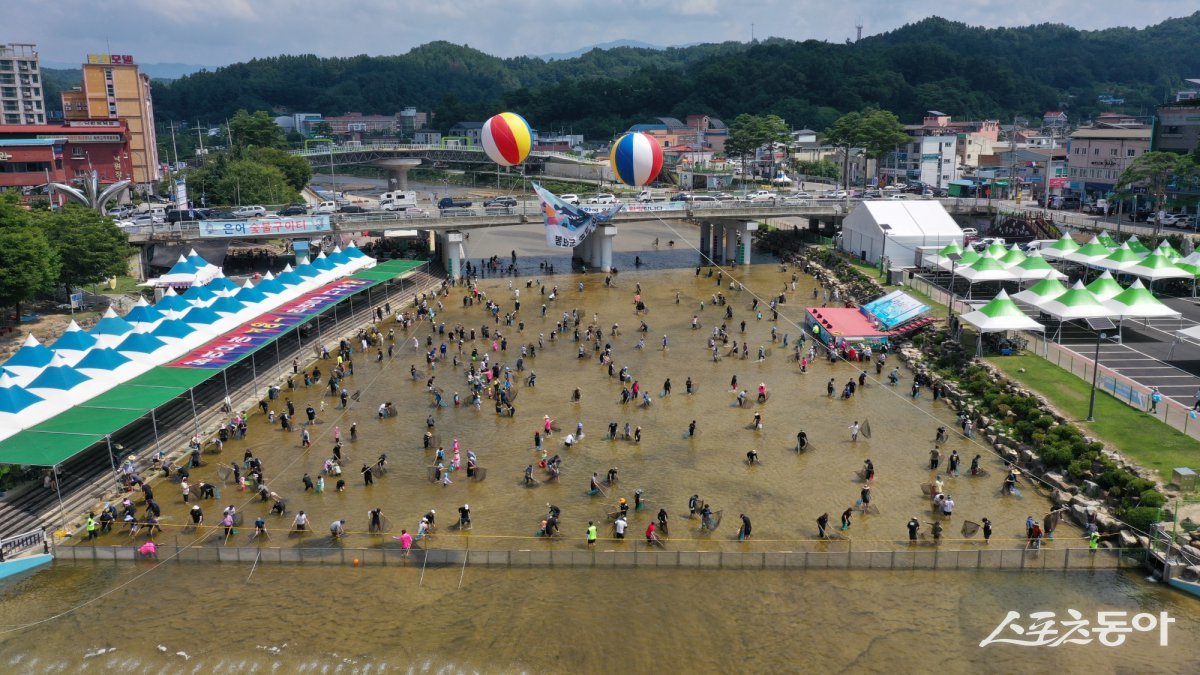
x: 326, y: 207
x: 401, y: 199
x: 1038, y: 244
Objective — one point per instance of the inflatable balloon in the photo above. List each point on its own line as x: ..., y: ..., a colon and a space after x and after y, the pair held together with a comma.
x: 636, y: 158
x: 507, y: 139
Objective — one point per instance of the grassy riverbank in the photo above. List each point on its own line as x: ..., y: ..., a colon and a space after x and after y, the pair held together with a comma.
x: 1137, y: 435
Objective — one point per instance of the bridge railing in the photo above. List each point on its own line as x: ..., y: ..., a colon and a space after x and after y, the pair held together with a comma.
x: 17, y: 544
x: 325, y: 150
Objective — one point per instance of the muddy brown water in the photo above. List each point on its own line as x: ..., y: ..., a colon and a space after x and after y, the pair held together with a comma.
x: 342, y: 619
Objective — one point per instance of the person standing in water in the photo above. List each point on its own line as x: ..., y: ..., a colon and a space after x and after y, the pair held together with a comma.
x: 854, y: 429
x: 744, y: 532
x: 822, y: 525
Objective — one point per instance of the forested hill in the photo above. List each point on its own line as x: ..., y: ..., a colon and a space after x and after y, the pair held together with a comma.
x: 934, y: 64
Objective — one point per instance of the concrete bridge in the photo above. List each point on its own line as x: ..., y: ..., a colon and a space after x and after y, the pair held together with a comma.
x: 722, y: 225
x: 399, y: 158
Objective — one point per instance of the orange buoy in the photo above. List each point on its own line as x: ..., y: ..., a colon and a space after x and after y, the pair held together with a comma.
x: 356, y: 562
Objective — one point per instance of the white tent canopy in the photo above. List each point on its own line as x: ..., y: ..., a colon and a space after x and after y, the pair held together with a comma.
x: 896, y: 228
x: 999, y: 315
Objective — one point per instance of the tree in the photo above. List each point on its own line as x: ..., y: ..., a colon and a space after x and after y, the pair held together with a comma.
x: 29, y: 266
x: 89, y: 245
x: 845, y: 134
x: 1155, y: 171
x: 248, y: 182
x: 257, y: 130
x: 822, y: 168
x: 745, y: 136
x: 322, y: 129
x: 775, y: 132
x: 295, y: 169
x: 876, y: 131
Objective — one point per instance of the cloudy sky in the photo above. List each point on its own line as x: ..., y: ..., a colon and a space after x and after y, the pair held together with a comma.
x: 217, y: 32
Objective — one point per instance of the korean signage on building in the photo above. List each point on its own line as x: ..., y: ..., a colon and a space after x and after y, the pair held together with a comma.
x: 117, y: 59
x: 262, y: 227
x: 260, y: 331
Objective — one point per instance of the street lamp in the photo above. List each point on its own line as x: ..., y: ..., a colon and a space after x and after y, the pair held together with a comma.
x: 1097, y: 325
x: 883, y: 254
x: 954, y: 258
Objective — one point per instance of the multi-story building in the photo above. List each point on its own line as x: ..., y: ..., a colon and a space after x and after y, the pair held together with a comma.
x: 1097, y: 156
x: 941, y: 150
x: 357, y: 123
x: 114, y: 89
x: 1178, y: 127
x: 701, y: 132
x: 32, y: 155
x: 21, y: 98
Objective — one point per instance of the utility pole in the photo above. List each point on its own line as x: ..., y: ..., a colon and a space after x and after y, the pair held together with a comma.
x: 174, y: 148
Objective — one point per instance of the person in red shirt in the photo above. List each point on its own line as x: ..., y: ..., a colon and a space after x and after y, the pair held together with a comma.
x: 650, y: 538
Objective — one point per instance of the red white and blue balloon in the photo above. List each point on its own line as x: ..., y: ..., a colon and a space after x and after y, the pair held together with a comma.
x: 636, y: 158
x: 507, y: 139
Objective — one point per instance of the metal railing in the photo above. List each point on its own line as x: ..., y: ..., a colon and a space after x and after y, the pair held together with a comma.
x: 635, y: 554
x: 318, y: 151
x: 19, y: 543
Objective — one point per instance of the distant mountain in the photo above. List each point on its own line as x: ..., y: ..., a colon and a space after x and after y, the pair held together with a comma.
x: 971, y: 72
x: 562, y: 56
x: 157, y: 71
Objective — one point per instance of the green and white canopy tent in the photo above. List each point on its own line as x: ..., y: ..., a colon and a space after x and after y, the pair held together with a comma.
x: 1089, y: 252
x: 1105, y: 287
x: 1012, y: 256
x: 1042, y: 291
x: 1107, y: 240
x: 1137, y: 302
x: 1060, y: 249
x: 1034, y: 266
x: 1001, y: 314
x: 968, y: 257
x: 1120, y: 259
x: 1137, y: 246
x: 987, y: 268
x: 1154, y: 267
x: 1077, y: 303
x: 1167, y: 251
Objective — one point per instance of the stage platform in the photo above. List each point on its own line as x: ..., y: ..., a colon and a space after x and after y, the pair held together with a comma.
x: 838, y: 323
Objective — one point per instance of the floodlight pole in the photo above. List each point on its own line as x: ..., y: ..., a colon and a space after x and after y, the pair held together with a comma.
x: 1095, y: 370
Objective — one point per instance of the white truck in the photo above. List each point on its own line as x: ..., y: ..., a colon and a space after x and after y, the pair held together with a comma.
x: 399, y: 200
x: 761, y: 196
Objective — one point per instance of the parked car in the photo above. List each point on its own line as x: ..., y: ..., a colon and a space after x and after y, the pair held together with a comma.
x: 681, y: 197
x: 1141, y: 215
x: 724, y: 197
x: 570, y: 199
x: 1175, y: 220
x: 140, y: 220
x: 970, y: 232
x: 294, y: 210
x: 505, y: 200
x: 123, y: 211
x: 703, y: 199
x: 250, y: 211
x: 452, y: 203
x: 1099, y: 207
x: 603, y: 198
x: 761, y: 196
x: 353, y: 208
x: 181, y: 215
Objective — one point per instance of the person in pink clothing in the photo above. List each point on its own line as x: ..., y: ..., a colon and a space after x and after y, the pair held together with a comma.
x: 406, y: 541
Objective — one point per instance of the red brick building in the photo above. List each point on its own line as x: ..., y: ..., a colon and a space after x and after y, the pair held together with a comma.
x: 32, y: 154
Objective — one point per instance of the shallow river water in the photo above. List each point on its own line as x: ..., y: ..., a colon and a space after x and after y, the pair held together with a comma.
x: 232, y: 617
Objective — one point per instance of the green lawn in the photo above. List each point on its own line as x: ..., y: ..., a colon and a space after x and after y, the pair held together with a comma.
x: 1135, y: 434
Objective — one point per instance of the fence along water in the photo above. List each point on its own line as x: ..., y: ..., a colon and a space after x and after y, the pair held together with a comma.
x: 639, y: 555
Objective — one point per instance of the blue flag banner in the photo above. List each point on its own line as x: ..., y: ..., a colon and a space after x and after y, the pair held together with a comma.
x: 568, y: 225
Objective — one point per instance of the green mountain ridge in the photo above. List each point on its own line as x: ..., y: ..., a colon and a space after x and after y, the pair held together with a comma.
x: 933, y: 64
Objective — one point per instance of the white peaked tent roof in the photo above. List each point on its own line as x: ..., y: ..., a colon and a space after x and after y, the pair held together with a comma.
x: 1089, y: 252
x: 1034, y: 266
x: 999, y: 315
x: 187, y: 270
x: 1138, y: 302
x: 29, y: 360
x: 110, y: 325
x: 1077, y: 303
x: 986, y: 268
x: 1105, y: 287
x: 1155, y: 266
x: 1121, y: 258
x: 1044, y: 290
x: 143, y: 313
x: 1061, y: 248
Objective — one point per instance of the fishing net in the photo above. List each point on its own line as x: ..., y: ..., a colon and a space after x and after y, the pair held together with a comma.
x: 865, y: 430
x: 970, y: 528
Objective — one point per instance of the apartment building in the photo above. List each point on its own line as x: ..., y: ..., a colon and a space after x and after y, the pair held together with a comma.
x: 21, y: 97
x: 1097, y: 156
